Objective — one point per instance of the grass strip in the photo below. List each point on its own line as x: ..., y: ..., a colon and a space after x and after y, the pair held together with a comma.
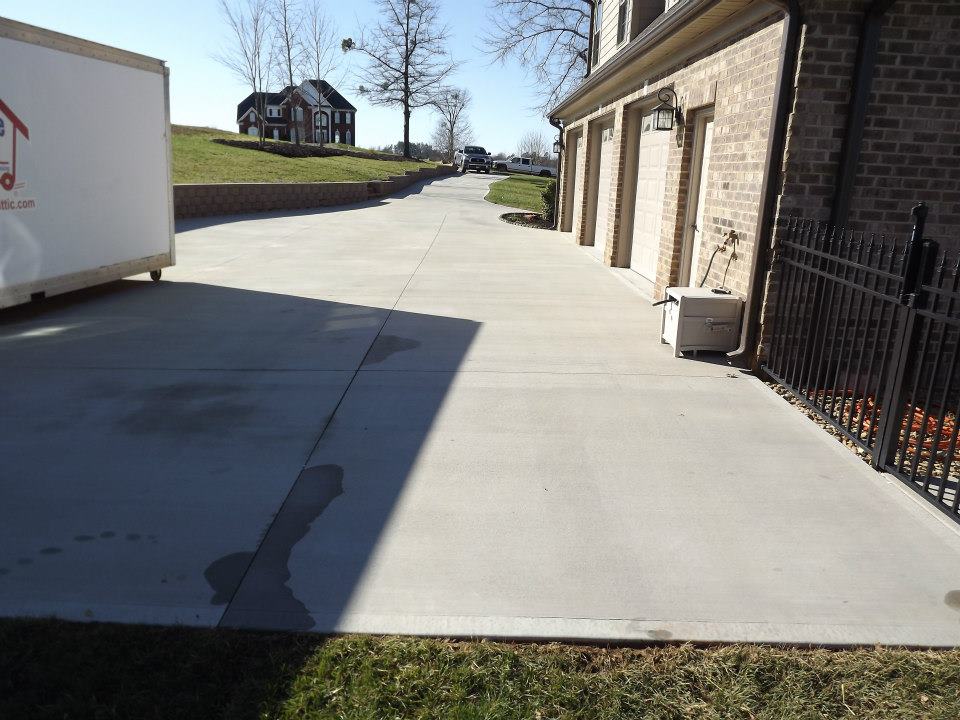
x: 519, y: 191
x: 52, y: 669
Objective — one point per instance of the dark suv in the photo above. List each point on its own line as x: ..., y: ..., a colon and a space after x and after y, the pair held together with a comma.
x: 472, y: 157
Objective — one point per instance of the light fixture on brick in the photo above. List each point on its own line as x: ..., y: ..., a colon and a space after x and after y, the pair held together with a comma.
x: 667, y: 112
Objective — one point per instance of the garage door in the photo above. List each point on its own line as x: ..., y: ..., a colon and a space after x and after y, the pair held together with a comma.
x: 575, y: 197
x: 648, y: 207
x: 603, y: 191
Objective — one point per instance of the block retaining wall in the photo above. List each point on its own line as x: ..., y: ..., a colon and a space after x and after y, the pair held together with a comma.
x: 205, y: 200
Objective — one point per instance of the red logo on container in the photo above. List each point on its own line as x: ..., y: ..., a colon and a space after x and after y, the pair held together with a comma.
x: 8, y: 139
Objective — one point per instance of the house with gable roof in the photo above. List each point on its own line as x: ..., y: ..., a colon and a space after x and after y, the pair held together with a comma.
x: 314, y: 111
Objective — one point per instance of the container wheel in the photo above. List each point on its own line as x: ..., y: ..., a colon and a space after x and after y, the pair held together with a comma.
x: 155, y: 275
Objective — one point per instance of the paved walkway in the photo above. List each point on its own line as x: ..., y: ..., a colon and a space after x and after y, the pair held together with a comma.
x: 409, y: 417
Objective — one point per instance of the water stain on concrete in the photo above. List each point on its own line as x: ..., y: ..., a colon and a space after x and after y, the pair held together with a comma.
x: 952, y: 599
x: 659, y: 634
x: 24, y: 561
x: 387, y: 345
x: 107, y: 534
x: 188, y: 409
x: 51, y: 551
x: 83, y: 538
x: 4, y: 571
x: 265, y: 585
x: 133, y: 537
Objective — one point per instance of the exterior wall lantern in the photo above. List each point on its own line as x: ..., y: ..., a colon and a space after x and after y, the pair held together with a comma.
x: 557, y: 147
x: 667, y: 113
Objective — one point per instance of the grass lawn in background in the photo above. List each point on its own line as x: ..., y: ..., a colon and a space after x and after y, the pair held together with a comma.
x: 519, y: 191
x: 198, y: 160
x: 51, y: 669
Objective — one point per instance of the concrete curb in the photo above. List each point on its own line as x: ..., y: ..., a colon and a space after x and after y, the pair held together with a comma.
x: 206, y: 200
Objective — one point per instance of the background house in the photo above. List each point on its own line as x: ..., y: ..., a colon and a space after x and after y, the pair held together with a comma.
x: 314, y: 110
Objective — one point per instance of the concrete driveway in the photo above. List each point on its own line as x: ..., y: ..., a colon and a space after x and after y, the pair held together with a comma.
x: 409, y: 417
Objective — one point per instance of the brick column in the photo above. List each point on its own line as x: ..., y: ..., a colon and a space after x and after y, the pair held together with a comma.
x: 584, y: 170
x: 563, y: 180
x: 621, y: 132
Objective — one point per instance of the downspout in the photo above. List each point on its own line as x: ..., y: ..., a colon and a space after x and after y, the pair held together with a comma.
x: 558, y: 124
x: 770, y: 189
x: 593, y: 14
x: 856, y: 116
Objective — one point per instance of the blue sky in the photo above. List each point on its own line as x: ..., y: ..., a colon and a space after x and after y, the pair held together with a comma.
x: 187, y: 33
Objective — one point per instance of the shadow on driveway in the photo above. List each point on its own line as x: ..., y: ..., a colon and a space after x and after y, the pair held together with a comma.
x: 156, y: 446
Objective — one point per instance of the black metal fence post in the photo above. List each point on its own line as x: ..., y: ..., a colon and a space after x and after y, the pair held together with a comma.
x: 919, y: 257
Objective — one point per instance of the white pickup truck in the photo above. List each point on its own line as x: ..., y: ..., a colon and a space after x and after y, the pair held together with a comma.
x: 524, y: 165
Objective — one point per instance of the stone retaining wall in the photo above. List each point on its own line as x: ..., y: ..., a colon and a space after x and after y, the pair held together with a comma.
x: 204, y: 200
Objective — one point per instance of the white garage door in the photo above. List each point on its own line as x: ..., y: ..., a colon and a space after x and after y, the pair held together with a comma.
x: 575, y: 197
x: 648, y: 207
x: 603, y: 192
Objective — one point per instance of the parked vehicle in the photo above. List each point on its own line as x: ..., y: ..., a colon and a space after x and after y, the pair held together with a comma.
x: 524, y: 165
x: 472, y: 157
x: 94, y: 204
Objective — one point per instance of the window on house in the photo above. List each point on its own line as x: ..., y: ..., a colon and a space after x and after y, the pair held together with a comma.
x: 336, y: 117
x: 622, y: 22
x: 597, y: 21
x: 348, y: 120
x: 252, y: 116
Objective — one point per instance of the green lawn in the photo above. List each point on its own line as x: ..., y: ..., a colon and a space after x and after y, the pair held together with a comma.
x: 197, y: 160
x: 57, y: 670
x: 519, y: 191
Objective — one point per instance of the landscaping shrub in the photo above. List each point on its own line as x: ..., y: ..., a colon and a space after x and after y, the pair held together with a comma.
x: 549, y: 199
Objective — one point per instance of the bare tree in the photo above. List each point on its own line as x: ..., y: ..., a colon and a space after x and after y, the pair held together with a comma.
x: 319, y: 35
x: 248, y: 52
x: 287, y: 22
x: 407, y: 58
x: 453, y: 128
x: 547, y: 37
x: 533, y: 146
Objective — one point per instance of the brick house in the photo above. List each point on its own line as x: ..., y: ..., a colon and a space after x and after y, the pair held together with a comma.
x: 314, y: 110
x: 838, y: 110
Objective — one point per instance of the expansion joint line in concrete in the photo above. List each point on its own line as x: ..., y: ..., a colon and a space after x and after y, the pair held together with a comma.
x: 326, y: 425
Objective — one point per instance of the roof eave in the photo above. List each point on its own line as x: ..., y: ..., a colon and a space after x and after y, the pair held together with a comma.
x: 658, y: 31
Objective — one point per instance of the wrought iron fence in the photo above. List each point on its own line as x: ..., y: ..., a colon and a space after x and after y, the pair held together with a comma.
x: 864, y: 323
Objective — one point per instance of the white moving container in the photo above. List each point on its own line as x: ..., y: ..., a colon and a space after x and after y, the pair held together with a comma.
x: 85, y: 181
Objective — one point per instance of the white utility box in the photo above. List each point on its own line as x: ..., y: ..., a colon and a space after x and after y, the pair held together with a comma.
x: 697, y: 319
x: 85, y: 191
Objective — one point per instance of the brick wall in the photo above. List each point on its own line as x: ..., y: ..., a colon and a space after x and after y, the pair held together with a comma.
x: 911, y: 143
x: 203, y: 200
